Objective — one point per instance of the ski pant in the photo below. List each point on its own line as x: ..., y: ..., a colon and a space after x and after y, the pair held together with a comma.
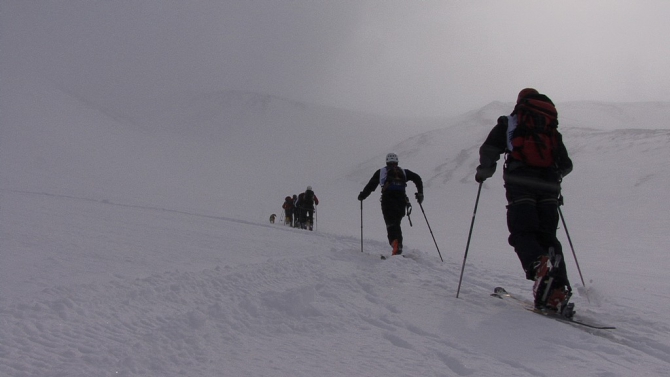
x: 306, y: 215
x: 393, y: 209
x: 288, y: 216
x: 532, y: 220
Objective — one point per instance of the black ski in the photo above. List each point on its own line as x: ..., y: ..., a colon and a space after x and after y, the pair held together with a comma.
x: 501, y: 293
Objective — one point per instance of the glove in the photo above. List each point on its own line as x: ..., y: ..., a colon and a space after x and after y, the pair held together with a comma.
x: 484, y: 173
x: 362, y: 195
x: 419, y: 197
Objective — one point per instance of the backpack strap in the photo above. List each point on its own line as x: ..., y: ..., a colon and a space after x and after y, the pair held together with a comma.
x: 511, y: 126
x: 398, y: 184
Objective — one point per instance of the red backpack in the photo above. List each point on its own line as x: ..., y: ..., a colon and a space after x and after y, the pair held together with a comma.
x: 535, y: 138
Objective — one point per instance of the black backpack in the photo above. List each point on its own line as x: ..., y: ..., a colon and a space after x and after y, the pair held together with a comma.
x: 308, y: 199
x: 395, y: 179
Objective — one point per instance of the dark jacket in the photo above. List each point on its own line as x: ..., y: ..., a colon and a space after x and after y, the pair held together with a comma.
x: 303, y: 203
x: 409, y: 176
x: 288, y: 204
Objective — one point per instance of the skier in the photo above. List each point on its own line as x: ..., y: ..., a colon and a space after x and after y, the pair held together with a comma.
x: 532, y: 176
x: 393, y: 181
x: 306, y: 202
x: 288, y: 211
x: 296, y: 212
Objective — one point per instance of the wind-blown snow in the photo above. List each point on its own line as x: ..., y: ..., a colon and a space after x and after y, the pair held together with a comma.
x: 130, y: 249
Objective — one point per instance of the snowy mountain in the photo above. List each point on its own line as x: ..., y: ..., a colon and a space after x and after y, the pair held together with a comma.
x: 190, y: 150
x: 137, y: 243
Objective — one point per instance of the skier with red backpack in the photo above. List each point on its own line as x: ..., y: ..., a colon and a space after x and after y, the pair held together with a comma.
x: 289, y: 209
x: 536, y: 161
x: 393, y: 181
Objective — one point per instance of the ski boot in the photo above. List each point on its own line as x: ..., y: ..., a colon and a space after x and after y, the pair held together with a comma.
x: 397, y: 247
x: 558, y: 302
x: 550, y: 294
x: 541, y: 267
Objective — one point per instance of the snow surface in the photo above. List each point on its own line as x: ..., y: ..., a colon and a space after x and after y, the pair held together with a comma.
x: 133, y: 245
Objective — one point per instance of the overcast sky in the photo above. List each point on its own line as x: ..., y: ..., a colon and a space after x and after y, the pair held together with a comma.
x: 418, y: 57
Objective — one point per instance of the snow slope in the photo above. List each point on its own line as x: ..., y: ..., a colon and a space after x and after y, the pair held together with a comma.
x: 135, y: 250
x: 96, y: 288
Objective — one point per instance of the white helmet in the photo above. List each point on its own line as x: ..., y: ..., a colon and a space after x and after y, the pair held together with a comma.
x: 309, y: 187
x: 391, y: 157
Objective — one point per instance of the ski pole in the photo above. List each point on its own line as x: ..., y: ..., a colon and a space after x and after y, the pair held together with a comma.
x: 361, y: 226
x: 408, y: 210
x: 469, y: 237
x: 573, y: 249
x: 431, y: 231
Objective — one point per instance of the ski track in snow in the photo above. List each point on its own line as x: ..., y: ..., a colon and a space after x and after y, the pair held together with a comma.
x: 298, y: 303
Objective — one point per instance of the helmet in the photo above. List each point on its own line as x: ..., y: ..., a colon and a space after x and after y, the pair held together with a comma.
x: 391, y: 157
x: 309, y: 187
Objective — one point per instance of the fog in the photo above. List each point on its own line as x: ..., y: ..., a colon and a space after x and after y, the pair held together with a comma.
x: 423, y: 58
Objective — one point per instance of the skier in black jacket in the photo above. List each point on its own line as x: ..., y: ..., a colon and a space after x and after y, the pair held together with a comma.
x: 533, y: 195
x: 393, y: 181
x: 305, y: 205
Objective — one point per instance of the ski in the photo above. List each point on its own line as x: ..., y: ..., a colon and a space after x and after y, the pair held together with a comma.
x: 385, y: 257
x: 501, y: 293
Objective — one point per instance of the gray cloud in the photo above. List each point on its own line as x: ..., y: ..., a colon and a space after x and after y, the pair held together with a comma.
x: 395, y: 57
